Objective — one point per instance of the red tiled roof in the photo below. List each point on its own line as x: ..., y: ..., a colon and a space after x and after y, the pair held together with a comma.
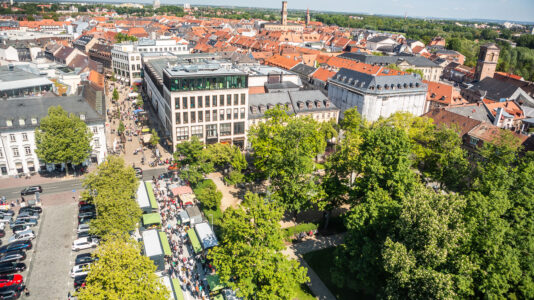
x: 323, y: 74
x: 281, y: 61
x: 256, y: 90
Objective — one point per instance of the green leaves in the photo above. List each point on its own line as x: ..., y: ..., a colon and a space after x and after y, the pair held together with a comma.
x: 121, y: 272
x: 62, y: 138
x: 248, y: 259
x: 207, y: 193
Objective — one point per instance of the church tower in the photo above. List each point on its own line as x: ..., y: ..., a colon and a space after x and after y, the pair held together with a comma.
x: 308, y: 17
x: 488, y: 57
x: 284, y: 13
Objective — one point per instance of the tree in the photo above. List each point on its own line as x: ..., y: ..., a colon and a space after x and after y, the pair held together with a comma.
x: 121, y: 272
x: 115, y: 95
x: 207, y: 193
x: 284, y: 151
x: 154, y: 139
x: 249, y: 260
x: 112, y: 188
x: 415, y: 71
x: 62, y: 138
x: 189, y: 152
x: 121, y: 128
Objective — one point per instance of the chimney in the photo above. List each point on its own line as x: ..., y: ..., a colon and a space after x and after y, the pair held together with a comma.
x: 498, y: 116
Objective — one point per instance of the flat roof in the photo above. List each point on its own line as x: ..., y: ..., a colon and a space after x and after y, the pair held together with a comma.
x: 142, y: 196
x: 206, y: 235
x: 151, y: 219
x: 150, y: 193
x: 151, y: 243
x: 178, y: 67
x: 18, y: 78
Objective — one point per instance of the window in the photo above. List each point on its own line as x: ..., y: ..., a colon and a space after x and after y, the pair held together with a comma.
x: 82, y: 117
x: 236, y: 113
x: 177, y: 102
x: 207, y: 101
x: 211, y: 130
x: 184, y: 102
x: 1, y: 153
x: 221, y: 115
x: 214, y: 100
x: 242, y: 113
x: 27, y: 150
x: 228, y: 99
x: 228, y: 114
x: 214, y: 115
x: 34, y: 121
x: 186, y: 118
x: 25, y: 137
x: 243, y: 99
x: 473, y: 141
x: 16, y: 152
x: 22, y: 122
x: 239, y: 128
x: 226, y: 129
x: 200, y: 116
x: 199, y: 101
x: 208, y: 115
x: 192, y: 102
x: 12, y: 138
x: 97, y: 142
x: 236, y: 99
x: 9, y: 123
x: 182, y: 133
x: 193, y: 118
x: 221, y: 100
x: 177, y: 115
x: 197, y: 131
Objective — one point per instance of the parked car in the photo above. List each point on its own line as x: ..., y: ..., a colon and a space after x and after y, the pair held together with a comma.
x: 26, y: 216
x: 23, y: 222
x: 19, y: 245
x: 82, y: 228
x: 8, y: 280
x: 78, y: 270
x: 22, y: 236
x: 79, y: 281
x: 19, y: 228
x: 11, y: 267
x: 84, y: 243
x: 13, y: 256
x: 6, y: 218
x: 2, y: 233
x: 8, y: 212
x: 86, y: 214
x: 28, y: 213
x: 31, y: 190
x: 36, y: 209
x: 11, y: 292
x: 138, y: 173
x: 84, y: 258
x: 86, y: 208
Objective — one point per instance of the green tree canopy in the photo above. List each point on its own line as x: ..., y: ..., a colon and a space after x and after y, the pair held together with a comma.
x: 121, y: 272
x: 62, y: 138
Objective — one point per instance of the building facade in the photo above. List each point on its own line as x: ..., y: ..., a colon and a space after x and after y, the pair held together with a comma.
x: 377, y: 96
x: 208, y: 100
x: 17, y: 132
x: 126, y: 57
x: 488, y: 57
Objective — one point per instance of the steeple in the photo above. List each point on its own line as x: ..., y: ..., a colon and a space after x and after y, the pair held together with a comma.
x: 307, y: 17
x: 284, y: 13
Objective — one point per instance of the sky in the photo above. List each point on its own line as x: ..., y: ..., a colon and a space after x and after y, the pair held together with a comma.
x: 514, y: 10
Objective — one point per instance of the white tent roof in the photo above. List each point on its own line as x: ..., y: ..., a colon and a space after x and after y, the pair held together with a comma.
x: 142, y: 196
x: 151, y: 242
x: 206, y: 236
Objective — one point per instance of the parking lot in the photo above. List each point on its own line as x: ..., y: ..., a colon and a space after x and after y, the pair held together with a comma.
x: 51, y: 258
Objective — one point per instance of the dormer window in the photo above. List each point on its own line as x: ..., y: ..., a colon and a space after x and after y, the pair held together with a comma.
x: 309, y: 104
x: 82, y: 117
x: 9, y: 123
x: 34, y: 121
x: 317, y: 103
x: 433, y: 95
x: 254, y: 109
x: 327, y: 103
x: 22, y: 122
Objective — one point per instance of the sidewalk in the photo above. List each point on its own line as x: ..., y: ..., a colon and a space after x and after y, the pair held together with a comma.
x: 37, y: 179
x: 296, y: 251
x: 228, y: 200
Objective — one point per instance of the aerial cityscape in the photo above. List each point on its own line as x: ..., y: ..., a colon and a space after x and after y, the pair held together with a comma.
x: 224, y: 151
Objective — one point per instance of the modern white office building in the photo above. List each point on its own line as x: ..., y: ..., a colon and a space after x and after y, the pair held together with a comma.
x: 205, y: 98
x: 126, y: 57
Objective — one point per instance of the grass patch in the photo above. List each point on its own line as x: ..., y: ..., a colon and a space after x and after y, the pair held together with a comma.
x: 304, y: 227
x: 319, y: 166
x: 303, y: 292
x: 321, y: 262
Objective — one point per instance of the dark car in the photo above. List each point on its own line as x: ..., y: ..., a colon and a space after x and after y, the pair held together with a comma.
x: 31, y: 190
x: 85, y: 220
x: 11, y: 292
x: 2, y: 234
x: 79, y: 281
x: 84, y: 258
x: 24, y: 222
x: 18, y: 245
x: 87, y: 214
x: 86, y: 208
x: 36, y: 209
x: 11, y: 267
x: 18, y: 228
x: 13, y: 256
x: 138, y: 172
x: 28, y: 213
x: 8, y: 212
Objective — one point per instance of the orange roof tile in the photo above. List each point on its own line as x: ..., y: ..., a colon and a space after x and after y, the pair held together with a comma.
x: 256, y: 90
x: 443, y: 93
x: 281, y: 61
x: 323, y: 74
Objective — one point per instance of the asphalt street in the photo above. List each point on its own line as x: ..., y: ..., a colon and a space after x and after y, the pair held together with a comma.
x: 67, y: 185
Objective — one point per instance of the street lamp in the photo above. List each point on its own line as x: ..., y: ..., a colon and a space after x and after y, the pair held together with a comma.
x: 211, y: 215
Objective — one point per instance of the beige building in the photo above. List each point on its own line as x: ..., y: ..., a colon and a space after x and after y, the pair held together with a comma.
x: 488, y: 57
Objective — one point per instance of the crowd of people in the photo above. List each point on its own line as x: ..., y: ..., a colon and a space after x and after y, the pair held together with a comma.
x: 190, y: 268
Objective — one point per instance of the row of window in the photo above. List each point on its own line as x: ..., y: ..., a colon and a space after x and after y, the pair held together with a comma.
x: 206, y: 83
x: 208, y: 101
x: 209, y: 116
x: 225, y: 129
x: 16, y: 152
x: 13, y: 138
x: 163, y: 49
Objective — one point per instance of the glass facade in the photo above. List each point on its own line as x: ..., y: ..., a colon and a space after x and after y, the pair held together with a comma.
x: 205, y: 83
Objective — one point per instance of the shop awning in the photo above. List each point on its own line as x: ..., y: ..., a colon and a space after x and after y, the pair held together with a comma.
x: 194, y: 240
x: 151, y: 197
x: 206, y: 235
x: 180, y: 190
x: 152, y: 219
x: 146, y: 138
x: 145, y: 130
x: 214, y: 282
x: 165, y: 243
x: 177, y: 289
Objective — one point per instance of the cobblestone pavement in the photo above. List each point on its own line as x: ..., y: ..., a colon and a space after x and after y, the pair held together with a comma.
x: 229, y: 192
x: 295, y: 251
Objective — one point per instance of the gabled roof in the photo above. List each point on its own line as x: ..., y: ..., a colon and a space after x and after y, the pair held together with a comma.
x: 303, y: 69
x: 378, y: 39
x: 323, y: 74
x: 281, y: 61
x: 496, y: 89
x: 443, y: 117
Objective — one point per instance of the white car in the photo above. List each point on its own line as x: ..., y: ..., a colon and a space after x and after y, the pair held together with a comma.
x: 22, y: 236
x: 83, y: 228
x: 84, y: 243
x: 80, y: 270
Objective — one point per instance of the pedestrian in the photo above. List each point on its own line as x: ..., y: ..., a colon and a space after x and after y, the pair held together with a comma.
x: 26, y: 292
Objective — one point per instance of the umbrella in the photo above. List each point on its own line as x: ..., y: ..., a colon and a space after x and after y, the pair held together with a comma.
x: 138, y: 110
